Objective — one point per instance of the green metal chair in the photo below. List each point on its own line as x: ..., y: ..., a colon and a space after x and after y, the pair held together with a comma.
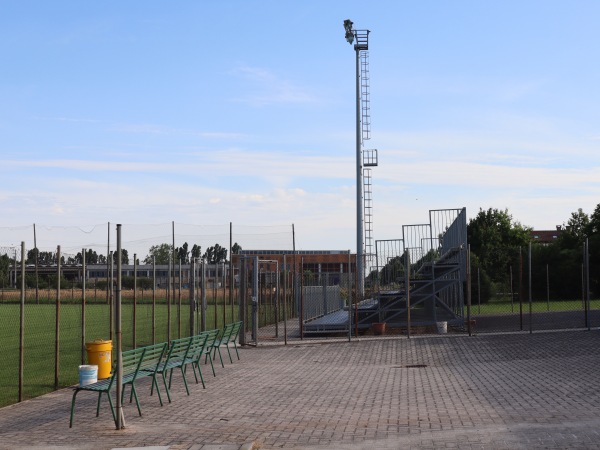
x: 132, y: 360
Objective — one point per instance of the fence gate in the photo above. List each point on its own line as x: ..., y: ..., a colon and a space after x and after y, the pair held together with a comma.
x: 261, y: 308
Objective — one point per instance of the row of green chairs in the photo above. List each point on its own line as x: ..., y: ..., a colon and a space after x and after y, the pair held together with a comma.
x: 160, y: 360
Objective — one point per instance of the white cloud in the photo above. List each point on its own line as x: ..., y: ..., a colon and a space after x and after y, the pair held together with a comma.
x: 268, y: 88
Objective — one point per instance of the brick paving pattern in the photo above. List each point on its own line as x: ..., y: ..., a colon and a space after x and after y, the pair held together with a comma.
x: 510, y: 391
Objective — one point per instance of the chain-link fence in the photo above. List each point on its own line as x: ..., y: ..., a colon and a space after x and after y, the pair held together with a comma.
x: 542, y: 290
x: 52, y: 303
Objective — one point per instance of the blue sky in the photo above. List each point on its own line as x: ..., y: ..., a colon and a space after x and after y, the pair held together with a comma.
x: 205, y: 113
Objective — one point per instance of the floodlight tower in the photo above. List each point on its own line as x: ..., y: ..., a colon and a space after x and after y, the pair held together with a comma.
x: 361, y: 46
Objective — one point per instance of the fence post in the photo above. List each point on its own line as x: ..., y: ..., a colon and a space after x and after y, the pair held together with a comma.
x: 242, y: 299
x: 57, y: 321
x: 83, y: 306
x: 109, y: 286
x: 349, y: 272
x: 169, y: 303
x: 255, y: 271
x: 587, y: 282
x: 407, y: 290
x: 301, y: 315
x: 530, y: 294
x: 22, y: 323
x: 469, y: 323
x: 204, y: 305
x: 153, y: 300
x: 120, y: 422
x: 192, y: 285
x: 134, y: 312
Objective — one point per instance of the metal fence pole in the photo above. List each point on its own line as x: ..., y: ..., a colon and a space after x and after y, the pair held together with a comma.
x: 242, y: 299
x: 179, y: 304
x: 134, y: 306
x: 285, y: 283
x: 469, y: 323
x: 120, y: 422
x: 349, y: 274
x: 587, y: 283
x: 83, y: 306
x: 530, y: 295
x: 204, y: 305
x: 547, y: 287
x: 153, y: 300
x: 255, y: 270
x: 169, y: 303
x: 407, y: 290
x: 57, y: 322
x: 22, y: 324
x: 192, y: 285
x: 109, y: 286
x: 301, y: 315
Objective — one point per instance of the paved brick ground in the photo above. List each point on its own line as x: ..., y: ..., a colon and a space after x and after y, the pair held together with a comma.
x: 513, y: 391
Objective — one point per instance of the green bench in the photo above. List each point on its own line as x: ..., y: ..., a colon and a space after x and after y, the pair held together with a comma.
x: 159, y: 360
x: 228, y: 336
x: 153, y: 358
x: 211, y: 338
x: 132, y: 360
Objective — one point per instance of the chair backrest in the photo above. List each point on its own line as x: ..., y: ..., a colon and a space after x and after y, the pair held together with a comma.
x: 132, y: 361
x: 237, y: 327
x: 154, y: 356
x: 198, y: 345
x: 211, y: 337
x: 226, y: 335
x: 179, y: 348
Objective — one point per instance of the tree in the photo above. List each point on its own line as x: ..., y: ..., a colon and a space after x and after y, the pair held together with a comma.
x: 124, y: 257
x: 236, y: 248
x: 161, y: 254
x: 4, y: 269
x: 91, y: 257
x: 576, y: 229
x: 216, y: 254
x: 182, y: 254
x: 196, y: 251
x: 495, y: 238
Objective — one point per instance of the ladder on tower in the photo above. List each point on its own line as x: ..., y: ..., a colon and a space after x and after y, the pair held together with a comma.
x: 365, y: 101
x: 368, y: 218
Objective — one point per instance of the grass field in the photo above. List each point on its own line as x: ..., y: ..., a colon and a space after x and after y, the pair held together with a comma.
x: 506, y: 307
x: 39, y: 347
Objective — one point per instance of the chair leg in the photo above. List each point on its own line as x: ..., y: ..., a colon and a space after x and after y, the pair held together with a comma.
x: 220, y: 355
x: 98, y: 404
x: 73, y: 408
x: 137, y: 401
x: 194, y: 370
x: 112, y: 408
x: 200, y: 372
x: 184, y: 380
x: 236, y: 350
x: 209, y: 357
x: 229, y: 353
x: 155, y: 382
x: 166, y: 387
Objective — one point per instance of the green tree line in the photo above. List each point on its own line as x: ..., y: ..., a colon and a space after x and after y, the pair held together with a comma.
x: 500, y: 247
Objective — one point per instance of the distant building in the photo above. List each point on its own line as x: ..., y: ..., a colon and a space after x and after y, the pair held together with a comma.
x: 545, y: 236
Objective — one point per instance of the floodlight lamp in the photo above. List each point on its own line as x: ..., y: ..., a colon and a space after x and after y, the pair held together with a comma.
x: 349, y: 33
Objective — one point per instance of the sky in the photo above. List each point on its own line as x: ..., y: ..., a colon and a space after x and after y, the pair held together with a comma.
x: 149, y: 113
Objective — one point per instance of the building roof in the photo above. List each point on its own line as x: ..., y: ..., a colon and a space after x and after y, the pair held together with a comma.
x: 545, y: 236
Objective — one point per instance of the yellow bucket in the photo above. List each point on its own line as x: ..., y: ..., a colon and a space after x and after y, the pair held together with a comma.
x: 99, y: 354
